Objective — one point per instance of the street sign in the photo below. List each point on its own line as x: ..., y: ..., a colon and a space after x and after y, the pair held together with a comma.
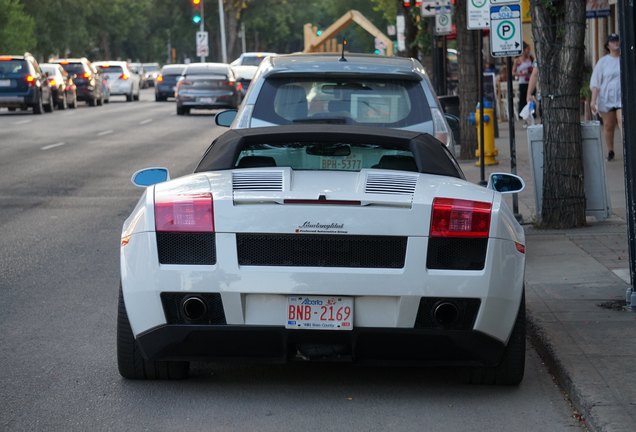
x: 505, y: 30
x: 478, y: 14
x: 428, y: 8
x: 443, y: 21
x: 202, y: 44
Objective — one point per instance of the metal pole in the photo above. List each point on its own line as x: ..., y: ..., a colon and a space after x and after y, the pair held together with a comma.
x: 511, y: 132
x: 222, y: 25
x: 243, y: 44
x: 627, y: 17
x: 482, y: 150
x: 202, y: 26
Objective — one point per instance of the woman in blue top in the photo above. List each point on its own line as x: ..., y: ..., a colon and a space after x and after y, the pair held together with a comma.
x: 606, y: 91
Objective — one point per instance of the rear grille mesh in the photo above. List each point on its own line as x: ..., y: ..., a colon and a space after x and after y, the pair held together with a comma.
x: 186, y: 248
x: 391, y: 184
x: 456, y: 253
x: 258, y: 181
x: 315, y: 250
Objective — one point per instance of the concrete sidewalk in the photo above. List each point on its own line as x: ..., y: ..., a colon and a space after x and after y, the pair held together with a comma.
x: 576, y: 281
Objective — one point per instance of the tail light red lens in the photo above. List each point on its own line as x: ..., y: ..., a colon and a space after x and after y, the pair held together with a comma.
x: 86, y: 75
x: 159, y: 78
x: 123, y: 77
x: 30, y: 79
x: 460, y: 218
x: 184, y: 213
x: 52, y: 82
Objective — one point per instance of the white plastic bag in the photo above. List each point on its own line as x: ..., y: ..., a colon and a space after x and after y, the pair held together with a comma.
x: 527, y: 114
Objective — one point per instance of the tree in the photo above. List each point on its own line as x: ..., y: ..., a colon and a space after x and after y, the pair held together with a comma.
x: 558, y: 27
x: 468, y: 86
x: 17, y: 29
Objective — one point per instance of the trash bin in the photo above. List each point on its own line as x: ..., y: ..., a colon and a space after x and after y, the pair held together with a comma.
x: 597, y: 203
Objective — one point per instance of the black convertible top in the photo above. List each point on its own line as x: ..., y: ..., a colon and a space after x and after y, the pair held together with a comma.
x: 431, y: 156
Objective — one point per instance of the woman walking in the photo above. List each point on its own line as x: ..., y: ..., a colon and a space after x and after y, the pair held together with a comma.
x: 521, y: 69
x: 606, y: 91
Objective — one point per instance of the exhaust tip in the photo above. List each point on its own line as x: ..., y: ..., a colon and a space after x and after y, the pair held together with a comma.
x: 445, y: 313
x: 194, y: 308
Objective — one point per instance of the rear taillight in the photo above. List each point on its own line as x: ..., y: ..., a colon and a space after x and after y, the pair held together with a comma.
x: 442, y: 132
x: 86, y: 75
x: 30, y: 79
x: 184, y: 213
x: 123, y: 77
x: 159, y: 78
x: 460, y: 218
x: 52, y: 82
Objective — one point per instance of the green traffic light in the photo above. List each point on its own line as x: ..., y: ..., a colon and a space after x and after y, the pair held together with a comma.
x: 319, y: 32
x: 196, y: 19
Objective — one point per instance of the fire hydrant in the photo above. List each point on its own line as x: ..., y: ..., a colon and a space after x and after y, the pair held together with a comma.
x: 489, y: 134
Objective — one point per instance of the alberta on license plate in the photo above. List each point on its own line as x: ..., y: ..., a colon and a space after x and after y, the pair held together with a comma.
x: 319, y: 313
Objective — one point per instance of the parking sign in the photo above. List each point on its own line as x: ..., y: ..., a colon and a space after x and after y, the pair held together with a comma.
x: 506, y: 39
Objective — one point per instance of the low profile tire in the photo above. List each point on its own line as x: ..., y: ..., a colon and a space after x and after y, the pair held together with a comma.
x: 130, y: 362
x: 511, y: 369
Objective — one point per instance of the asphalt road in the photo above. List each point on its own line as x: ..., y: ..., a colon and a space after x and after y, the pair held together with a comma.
x: 64, y: 193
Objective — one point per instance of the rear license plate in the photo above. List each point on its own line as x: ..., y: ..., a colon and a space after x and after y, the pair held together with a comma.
x: 5, y: 83
x: 319, y: 313
x: 351, y: 163
x: 207, y: 100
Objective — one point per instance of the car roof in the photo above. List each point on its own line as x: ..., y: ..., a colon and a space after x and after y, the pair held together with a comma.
x: 354, y: 64
x: 110, y: 62
x: 431, y: 155
x: 173, y: 67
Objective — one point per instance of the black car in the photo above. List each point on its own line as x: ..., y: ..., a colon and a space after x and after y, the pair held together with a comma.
x: 86, y: 78
x: 166, y: 81
x: 23, y: 85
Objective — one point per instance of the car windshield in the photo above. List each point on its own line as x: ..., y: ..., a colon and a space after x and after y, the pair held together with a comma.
x: 372, y: 102
x: 73, y: 68
x: 111, y: 69
x: 252, y: 60
x: 335, y: 156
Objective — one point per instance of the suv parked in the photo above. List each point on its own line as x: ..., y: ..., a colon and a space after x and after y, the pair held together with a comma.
x: 366, y: 90
x: 23, y: 85
x: 86, y: 78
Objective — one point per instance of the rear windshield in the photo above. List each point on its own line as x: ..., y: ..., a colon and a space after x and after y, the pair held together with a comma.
x: 252, y: 60
x: 326, y: 156
x: 171, y: 71
x: 13, y: 66
x: 73, y: 68
x: 111, y: 69
x: 373, y: 102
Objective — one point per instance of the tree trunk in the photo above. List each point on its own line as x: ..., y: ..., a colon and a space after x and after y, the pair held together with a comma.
x: 468, y: 85
x: 559, y: 31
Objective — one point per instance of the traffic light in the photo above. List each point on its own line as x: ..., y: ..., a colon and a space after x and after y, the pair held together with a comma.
x: 196, y: 11
x: 409, y: 3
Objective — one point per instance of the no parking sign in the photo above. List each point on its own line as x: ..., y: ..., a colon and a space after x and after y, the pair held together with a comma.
x: 505, y: 30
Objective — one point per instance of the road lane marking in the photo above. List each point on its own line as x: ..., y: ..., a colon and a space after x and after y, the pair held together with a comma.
x: 21, y: 122
x: 49, y: 147
x: 106, y: 132
x: 143, y: 122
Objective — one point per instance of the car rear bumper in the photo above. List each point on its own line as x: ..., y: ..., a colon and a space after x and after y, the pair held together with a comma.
x: 372, y: 345
x: 17, y: 101
x: 86, y: 93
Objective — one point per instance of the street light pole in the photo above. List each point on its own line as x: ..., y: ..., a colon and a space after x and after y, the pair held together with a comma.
x: 222, y: 25
x: 202, y: 25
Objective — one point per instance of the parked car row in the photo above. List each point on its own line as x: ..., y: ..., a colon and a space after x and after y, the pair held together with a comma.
x: 23, y: 84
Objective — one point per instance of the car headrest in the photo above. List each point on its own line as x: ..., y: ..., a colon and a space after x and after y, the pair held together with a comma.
x: 256, y: 162
x: 397, y: 162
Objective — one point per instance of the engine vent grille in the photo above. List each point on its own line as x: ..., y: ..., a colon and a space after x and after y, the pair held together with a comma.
x: 258, y: 181
x: 391, y: 184
x: 456, y: 253
x: 315, y: 250
x: 186, y: 248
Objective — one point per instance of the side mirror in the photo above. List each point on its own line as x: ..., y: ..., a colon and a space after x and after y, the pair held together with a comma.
x: 225, y: 118
x: 150, y: 176
x: 505, y: 183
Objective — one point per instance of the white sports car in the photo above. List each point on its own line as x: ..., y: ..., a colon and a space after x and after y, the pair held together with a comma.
x: 311, y: 242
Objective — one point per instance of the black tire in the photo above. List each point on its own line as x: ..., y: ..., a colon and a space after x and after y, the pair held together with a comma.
x: 511, y: 369
x: 129, y: 97
x: 38, y: 108
x: 100, y: 101
x: 180, y: 110
x: 92, y: 102
x: 136, y: 97
x: 64, y: 103
x: 130, y: 362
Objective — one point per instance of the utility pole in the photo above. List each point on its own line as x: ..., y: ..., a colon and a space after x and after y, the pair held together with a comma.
x: 222, y: 25
x: 202, y: 25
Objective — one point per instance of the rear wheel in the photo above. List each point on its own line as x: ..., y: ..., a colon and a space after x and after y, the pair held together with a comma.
x: 180, y: 110
x: 130, y: 362
x: 92, y: 102
x: 38, y: 107
x: 129, y: 97
x: 63, y: 104
x: 51, y: 105
x: 511, y: 369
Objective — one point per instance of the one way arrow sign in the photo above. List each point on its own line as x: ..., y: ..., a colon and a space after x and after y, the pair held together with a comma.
x: 428, y: 8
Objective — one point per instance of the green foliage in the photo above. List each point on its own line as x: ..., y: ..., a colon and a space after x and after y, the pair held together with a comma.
x: 17, y: 29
